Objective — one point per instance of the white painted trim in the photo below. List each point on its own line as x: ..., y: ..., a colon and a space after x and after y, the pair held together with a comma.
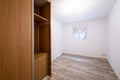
x: 114, y: 68
x: 56, y: 57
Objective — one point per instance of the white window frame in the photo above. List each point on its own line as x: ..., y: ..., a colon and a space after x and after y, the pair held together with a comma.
x: 80, y: 32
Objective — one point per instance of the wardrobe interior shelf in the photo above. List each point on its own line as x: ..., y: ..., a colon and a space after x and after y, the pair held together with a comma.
x: 40, y: 54
x: 39, y: 19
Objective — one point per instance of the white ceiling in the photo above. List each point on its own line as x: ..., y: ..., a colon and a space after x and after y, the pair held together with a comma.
x: 68, y: 11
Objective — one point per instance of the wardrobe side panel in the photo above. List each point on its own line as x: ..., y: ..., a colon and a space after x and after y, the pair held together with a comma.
x: 15, y: 40
x: 44, y: 38
x: 36, y: 37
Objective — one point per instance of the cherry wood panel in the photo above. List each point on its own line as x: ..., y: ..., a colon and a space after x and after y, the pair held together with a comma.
x: 36, y: 38
x: 15, y: 40
x: 40, y: 65
x: 44, y: 37
x: 36, y: 9
x: 44, y: 11
x: 39, y: 19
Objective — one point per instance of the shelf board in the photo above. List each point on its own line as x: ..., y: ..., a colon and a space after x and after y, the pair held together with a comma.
x: 40, y: 54
x: 39, y: 19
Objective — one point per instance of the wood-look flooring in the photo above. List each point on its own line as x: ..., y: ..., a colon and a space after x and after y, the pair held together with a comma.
x: 74, y: 67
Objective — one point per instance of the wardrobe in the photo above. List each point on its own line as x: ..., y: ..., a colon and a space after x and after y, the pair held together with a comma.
x: 42, y: 59
x: 25, y: 40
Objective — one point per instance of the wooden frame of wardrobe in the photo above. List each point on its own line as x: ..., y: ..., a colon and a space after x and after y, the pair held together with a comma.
x: 17, y: 50
x: 42, y: 42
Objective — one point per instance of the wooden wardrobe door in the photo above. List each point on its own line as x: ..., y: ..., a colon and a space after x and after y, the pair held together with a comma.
x: 15, y: 40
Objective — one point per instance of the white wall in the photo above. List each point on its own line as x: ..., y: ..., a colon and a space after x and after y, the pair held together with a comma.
x: 56, y: 37
x: 94, y: 46
x: 114, y: 37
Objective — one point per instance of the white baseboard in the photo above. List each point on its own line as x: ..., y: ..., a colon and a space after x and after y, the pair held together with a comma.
x: 56, y: 57
x: 114, y: 68
x: 87, y: 55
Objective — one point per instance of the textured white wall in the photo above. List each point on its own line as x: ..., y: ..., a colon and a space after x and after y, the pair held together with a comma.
x: 114, y: 37
x: 96, y: 43
x: 56, y: 34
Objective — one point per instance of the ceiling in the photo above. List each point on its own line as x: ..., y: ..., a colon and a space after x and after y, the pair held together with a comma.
x: 68, y: 11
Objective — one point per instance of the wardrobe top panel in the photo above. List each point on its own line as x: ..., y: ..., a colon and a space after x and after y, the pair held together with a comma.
x: 41, y: 2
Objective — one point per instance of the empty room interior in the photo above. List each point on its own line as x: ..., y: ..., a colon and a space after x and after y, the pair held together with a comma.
x: 85, y: 39
x: 59, y: 40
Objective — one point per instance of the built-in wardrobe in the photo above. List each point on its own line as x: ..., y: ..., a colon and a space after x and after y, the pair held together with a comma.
x: 25, y: 40
x: 42, y: 50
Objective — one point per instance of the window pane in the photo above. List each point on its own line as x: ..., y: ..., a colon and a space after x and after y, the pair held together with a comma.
x: 79, y: 34
x: 76, y: 36
x: 83, y: 35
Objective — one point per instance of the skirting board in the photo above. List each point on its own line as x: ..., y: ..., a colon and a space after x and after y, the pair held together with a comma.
x: 53, y: 58
x: 114, y: 68
x: 86, y: 55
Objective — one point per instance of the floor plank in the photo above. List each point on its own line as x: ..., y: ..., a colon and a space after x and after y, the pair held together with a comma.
x: 74, y: 67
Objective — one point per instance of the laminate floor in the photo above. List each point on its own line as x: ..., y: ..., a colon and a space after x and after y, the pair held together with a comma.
x: 74, y: 67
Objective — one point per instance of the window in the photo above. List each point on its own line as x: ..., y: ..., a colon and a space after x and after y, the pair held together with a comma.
x: 79, y: 33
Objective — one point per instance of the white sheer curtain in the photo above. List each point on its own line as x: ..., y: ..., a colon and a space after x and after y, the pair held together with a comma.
x: 80, y: 32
